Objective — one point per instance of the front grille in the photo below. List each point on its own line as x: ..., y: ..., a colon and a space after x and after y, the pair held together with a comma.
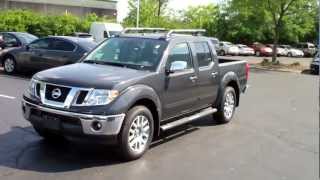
x: 81, y: 97
x: 50, y: 89
x: 38, y: 89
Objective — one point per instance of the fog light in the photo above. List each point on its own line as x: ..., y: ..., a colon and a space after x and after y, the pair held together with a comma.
x: 96, y: 125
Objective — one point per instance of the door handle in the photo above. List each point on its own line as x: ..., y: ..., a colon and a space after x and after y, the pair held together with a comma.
x: 193, y: 78
x: 214, y: 74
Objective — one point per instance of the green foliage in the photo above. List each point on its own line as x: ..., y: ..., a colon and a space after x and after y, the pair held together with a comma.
x: 44, y: 25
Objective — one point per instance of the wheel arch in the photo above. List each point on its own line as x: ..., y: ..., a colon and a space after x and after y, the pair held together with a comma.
x: 146, y: 96
x: 2, y: 58
x: 229, y: 79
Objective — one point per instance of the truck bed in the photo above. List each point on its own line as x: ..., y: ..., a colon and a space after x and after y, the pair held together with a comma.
x: 238, y: 67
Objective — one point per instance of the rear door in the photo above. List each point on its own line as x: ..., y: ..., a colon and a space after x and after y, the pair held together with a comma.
x: 179, y: 96
x: 60, y: 52
x: 208, y: 73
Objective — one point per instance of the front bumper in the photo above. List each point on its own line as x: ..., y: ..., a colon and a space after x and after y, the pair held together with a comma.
x: 70, y: 123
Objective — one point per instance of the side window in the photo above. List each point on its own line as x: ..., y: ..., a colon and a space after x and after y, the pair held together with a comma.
x: 105, y: 34
x: 40, y: 44
x: 203, y: 54
x: 61, y: 45
x: 10, y: 40
x: 181, y: 54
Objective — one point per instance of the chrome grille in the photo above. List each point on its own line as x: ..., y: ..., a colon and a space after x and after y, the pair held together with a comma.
x: 69, y: 95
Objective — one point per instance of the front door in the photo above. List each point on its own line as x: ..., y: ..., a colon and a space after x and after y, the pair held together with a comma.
x: 179, y: 96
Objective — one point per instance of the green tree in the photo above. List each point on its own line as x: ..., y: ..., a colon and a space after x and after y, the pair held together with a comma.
x: 205, y: 17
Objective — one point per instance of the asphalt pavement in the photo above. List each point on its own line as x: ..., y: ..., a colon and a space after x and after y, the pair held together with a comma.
x: 274, y: 136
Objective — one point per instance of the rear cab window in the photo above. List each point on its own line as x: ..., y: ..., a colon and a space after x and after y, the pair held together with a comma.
x: 203, y: 54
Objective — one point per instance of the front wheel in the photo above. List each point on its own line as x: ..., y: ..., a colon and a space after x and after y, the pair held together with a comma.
x: 9, y: 65
x: 137, y: 133
x: 227, y: 106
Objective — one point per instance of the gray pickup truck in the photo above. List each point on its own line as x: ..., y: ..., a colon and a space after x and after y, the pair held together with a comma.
x: 132, y: 87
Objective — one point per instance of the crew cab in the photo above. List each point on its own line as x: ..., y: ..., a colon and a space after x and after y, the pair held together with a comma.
x: 132, y: 87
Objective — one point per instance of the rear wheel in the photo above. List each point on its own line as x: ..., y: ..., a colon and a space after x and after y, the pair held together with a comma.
x: 289, y: 54
x: 222, y: 53
x: 137, y: 133
x: 227, y: 106
x: 258, y: 53
x: 9, y: 65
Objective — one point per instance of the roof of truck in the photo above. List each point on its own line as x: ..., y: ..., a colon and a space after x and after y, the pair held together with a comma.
x: 162, y: 36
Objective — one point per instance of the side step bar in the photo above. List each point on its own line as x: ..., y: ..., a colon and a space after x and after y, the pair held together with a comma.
x: 188, y: 119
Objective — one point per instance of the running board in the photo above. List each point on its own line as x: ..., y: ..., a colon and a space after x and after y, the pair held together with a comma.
x: 188, y: 119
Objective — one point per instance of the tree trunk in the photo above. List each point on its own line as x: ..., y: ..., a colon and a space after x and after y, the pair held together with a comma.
x: 275, y: 43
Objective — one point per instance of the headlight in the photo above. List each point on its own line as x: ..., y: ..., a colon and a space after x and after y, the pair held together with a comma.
x: 99, y: 97
x: 32, y: 87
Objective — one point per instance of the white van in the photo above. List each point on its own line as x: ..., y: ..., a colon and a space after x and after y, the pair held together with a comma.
x: 100, y: 30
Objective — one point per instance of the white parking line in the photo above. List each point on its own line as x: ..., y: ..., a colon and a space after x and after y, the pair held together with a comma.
x: 7, y: 97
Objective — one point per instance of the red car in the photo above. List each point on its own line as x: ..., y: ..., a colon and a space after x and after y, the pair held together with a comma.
x: 261, y: 49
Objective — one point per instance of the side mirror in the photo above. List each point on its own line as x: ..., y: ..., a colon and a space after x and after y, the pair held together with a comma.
x: 177, y: 66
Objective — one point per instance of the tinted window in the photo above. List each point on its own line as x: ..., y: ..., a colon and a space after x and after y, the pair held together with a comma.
x: 40, y: 44
x: 203, y: 53
x: 26, y: 38
x: 61, y: 45
x: 181, y: 53
x: 10, y: 40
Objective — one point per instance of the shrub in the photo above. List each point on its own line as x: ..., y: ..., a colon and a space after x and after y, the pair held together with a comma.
x: 44, y: 25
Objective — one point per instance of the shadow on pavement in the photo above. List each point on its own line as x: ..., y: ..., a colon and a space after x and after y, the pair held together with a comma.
x: 308, y: 72
x: 21, y: 75
x: 21, y: 148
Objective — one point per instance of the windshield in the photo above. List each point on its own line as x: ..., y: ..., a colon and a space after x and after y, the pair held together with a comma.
x: 26, y: 38
x: 137, y: 53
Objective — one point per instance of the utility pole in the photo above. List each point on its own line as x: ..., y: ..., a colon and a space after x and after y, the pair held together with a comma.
x: 138, y: 13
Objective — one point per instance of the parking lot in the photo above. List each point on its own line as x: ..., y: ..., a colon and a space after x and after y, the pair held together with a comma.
x: 274, y: 135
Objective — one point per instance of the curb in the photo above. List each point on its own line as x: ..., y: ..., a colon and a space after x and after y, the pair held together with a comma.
x: 252, y: 66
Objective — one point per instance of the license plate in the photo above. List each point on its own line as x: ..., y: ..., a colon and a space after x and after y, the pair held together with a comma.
x: 51, y: 122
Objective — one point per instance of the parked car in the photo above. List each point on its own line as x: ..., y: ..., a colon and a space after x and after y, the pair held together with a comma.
x: 245, y: 50
x: 101, y: 31
x: 227, y: 48
x: 308, y: 49
x: 314, y: 66
x: 261, y: 49
x: 46, y: 53
x: 15, y: 39
x: 215, y: 42
x: 280, y: 51
x: 292, y: 52
x: 132, y: 91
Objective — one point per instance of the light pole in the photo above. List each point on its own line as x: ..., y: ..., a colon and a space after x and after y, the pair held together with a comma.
x: 138, y: 13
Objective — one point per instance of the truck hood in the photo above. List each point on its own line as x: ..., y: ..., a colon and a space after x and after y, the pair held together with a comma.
x: 89, y: 75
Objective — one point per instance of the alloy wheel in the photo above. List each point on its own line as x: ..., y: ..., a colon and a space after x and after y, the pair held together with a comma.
x: 139, y: 134
x: 9, y: 65
x: 229, y: 105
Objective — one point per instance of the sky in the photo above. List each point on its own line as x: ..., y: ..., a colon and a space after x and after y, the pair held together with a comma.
x: 174, y: 4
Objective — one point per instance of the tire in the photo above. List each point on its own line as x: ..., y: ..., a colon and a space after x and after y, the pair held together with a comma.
x: 48, y: 136
x: 222, y: 53
x: 289, y: 54
x: 258, y: 53
x: 224, y: 113
x: 137, y: 133
x: 9, y: 65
